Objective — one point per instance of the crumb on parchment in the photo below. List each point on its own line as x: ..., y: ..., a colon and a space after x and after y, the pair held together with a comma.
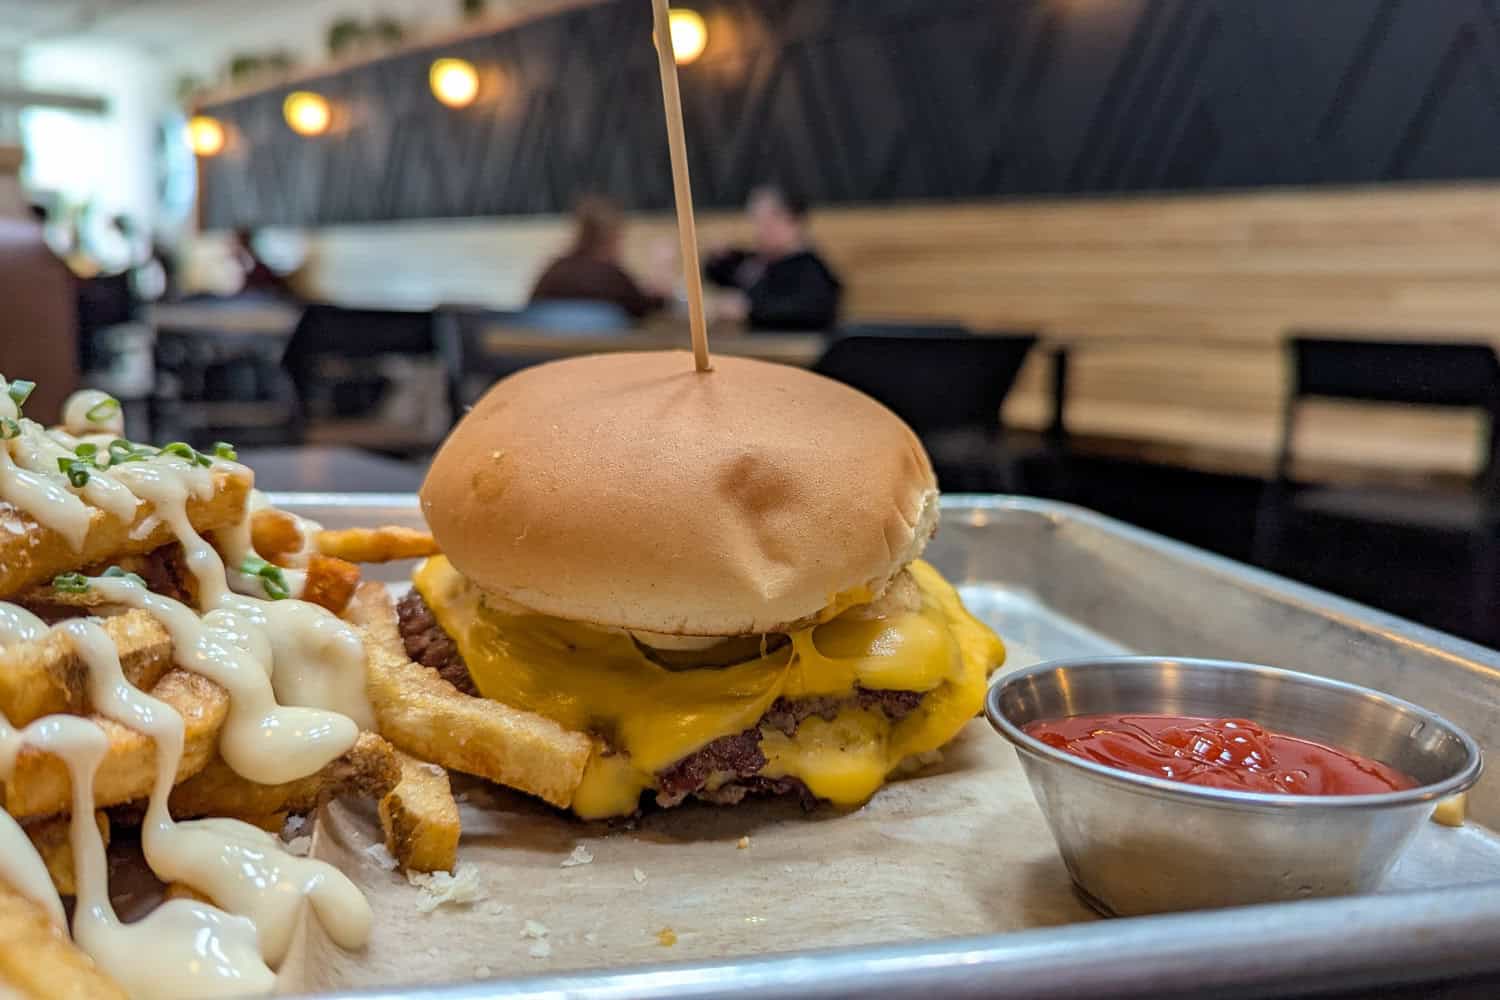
x: 581, y: 856
x: 463, y: 886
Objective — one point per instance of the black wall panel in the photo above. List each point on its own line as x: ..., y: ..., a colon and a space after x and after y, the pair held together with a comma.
x: 882, y: 100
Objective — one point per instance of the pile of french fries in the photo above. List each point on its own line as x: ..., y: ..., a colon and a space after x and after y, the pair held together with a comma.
x: 425, y: 726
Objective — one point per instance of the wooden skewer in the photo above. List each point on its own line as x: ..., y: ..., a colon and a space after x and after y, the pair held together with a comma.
x: 682, y: 185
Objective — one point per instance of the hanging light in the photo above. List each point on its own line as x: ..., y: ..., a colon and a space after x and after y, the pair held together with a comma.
x: 454, y: 82
x: 205, y: 135
x: 689, y: 36
x: 307, y: 113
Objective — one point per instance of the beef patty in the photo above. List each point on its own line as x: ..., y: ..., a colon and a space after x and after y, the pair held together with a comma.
x: 724, y: 771
x: 429, y: 645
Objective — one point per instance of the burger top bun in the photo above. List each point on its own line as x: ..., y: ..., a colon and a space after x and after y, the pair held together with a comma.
x: 629, y: 490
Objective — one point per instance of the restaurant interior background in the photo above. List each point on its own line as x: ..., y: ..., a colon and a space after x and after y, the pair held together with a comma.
x: 1227, y: 270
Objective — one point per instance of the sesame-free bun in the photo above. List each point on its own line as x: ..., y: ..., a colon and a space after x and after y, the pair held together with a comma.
x: 629, y: 490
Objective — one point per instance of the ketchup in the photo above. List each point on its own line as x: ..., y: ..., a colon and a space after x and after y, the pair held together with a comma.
x: 1219, y: 753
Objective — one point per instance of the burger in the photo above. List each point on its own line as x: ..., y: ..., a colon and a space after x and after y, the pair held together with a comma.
x: 717, y: 575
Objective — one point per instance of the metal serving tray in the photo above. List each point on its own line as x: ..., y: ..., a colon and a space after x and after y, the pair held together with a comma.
x: 1059, y: 581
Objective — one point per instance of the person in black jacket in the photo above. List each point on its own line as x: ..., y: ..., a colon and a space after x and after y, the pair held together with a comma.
x: 783, y: 283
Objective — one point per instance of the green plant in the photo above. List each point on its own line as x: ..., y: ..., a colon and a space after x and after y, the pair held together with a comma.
x: 387, y: 30
x: 343, y: 34
x: 244, y: 65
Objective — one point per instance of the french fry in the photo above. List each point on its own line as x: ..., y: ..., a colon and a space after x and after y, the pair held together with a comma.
x: 420, y: 818
x: 39, y: 784
x: 38, y: 961
x: 429, y: 718
x: 269, y: 822
x: 377, y: 545
x: 50, y: 838
x: 31, y: 554
x: 370, y: 770
x: 330, y: 582
x: 163, y: 570
x: 275, y: 535
x: 47, y: 677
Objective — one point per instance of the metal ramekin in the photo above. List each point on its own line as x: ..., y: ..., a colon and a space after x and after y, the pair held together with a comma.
x: 1136, y: 844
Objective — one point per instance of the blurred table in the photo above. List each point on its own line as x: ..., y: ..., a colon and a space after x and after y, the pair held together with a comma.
x: 315, y: 469
x: 800, y: 349
x: 227, y: 316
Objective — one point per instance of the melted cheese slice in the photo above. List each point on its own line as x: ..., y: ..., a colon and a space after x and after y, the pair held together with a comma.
x: 599, y: 681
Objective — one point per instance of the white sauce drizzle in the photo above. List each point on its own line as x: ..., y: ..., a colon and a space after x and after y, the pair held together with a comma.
x: 233, y: 863
x: 45, y: 499
x: 38, y: 452
x: 183, y: 949
x: 319, y: 660
x: 23, y: 870
x: 258, y: 651
x: 19, y: 625
x: 261, y: 740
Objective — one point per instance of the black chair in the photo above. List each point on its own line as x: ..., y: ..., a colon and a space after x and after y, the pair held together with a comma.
x: 372, y: 378
x: 472, y: 366
x: 949, y: 389
x: 1448, y: 375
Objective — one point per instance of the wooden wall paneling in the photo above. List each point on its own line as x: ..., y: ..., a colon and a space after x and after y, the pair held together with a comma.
x: 1175, y: 306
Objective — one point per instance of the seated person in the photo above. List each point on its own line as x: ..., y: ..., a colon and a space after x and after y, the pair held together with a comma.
x: 783, y: 283
x: 260, y: 277
x: 590, y: 271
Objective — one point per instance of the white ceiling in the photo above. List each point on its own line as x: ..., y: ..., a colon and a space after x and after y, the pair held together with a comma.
x: 159, y: 24
x: 31, y: 20
x: 198, y: 35
x: 152, y: 24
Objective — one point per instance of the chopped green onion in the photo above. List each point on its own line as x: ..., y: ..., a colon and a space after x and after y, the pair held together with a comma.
x: 9, y: 429
x: 20, y: 391
x: 121, y: 451
x: 184, y: 450
x: 272, y: 579
x: 86, y: 450
x: 118, y: 573
x: 76, y: 469
x: 70, y: 583
x: 225, y: 450
x: 103, y: 410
